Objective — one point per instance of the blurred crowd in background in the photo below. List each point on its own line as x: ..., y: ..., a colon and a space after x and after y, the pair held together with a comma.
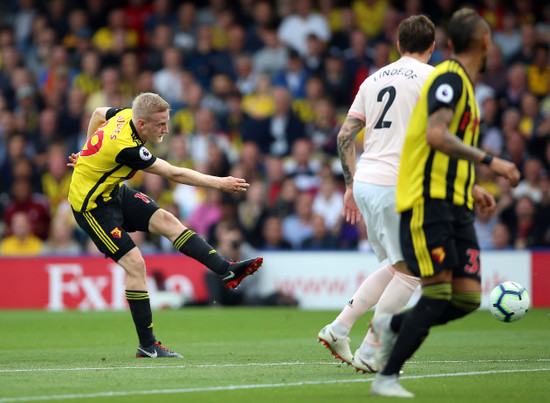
x: 258, y: 90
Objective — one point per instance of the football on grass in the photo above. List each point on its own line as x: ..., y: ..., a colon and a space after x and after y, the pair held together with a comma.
x: 509, y: 301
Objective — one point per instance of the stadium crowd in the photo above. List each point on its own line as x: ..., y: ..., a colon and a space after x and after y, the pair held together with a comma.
x: 258, y: 90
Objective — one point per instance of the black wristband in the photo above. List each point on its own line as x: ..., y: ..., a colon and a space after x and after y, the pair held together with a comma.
x: 487, y: 159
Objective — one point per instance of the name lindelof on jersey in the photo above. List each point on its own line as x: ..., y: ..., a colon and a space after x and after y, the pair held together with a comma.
x: 408, y: 73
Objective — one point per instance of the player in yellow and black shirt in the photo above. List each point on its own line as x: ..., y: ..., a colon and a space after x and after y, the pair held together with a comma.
x: 435, y: 195
x: 428, y: 173
x: 107, y: 209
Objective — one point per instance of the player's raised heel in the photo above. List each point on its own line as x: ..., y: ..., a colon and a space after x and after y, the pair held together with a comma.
x: 338, y: 345
x: 364, y: 365
x: 239, y: 270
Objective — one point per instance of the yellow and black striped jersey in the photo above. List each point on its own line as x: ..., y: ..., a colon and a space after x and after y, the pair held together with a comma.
x: 424, y: 172
x: 110, y: 156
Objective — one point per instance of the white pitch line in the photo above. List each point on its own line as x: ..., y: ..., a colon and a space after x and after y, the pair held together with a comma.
x: 241, y: 387
x: 251, y: 364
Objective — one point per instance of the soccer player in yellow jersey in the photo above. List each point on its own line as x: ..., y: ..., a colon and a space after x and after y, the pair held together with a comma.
x: 107, y: 209
x: 435, y: 195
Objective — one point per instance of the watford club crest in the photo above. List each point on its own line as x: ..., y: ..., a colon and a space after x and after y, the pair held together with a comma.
x: 116, y: 233
x: 438, y: 254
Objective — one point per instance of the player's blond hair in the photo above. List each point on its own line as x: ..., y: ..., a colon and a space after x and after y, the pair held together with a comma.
x: 147, y: 103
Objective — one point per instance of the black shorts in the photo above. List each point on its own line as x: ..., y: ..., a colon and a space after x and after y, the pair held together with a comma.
x: 437, y: 235
x: 108, y: 225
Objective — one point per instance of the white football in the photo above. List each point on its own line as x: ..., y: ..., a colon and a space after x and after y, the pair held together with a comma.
x: 509, y: 301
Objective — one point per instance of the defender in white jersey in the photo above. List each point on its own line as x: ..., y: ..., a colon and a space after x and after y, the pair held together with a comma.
x: 383, y: 106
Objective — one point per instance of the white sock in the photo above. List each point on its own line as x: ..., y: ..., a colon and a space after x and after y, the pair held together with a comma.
x: 339, y: 328
x: 366, y: 296
x: 394, y: 298
x: 366, y: 350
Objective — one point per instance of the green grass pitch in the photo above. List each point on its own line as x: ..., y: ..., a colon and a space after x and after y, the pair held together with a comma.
x: 259, y: 355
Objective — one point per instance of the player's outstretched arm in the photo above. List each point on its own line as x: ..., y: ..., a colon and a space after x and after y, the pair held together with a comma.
x: 191, y: 177
x: 439, y: 138
x: 346, y: 150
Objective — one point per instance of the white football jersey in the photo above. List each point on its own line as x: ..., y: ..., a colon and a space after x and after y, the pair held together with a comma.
x: 385, y: 102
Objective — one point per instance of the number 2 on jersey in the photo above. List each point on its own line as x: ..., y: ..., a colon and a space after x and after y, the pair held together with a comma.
x: 385, y: 124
